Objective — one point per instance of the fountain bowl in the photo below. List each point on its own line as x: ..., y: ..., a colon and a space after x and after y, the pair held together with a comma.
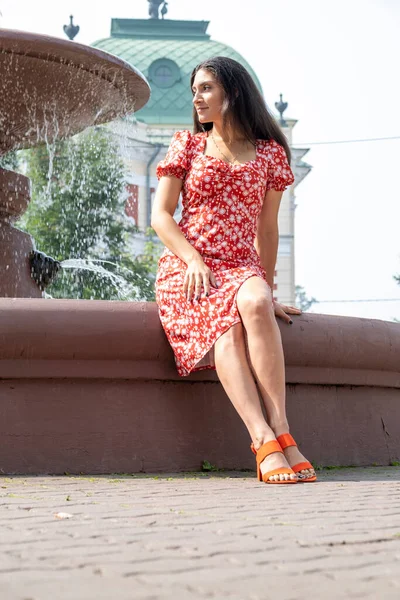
x: 54, y: 88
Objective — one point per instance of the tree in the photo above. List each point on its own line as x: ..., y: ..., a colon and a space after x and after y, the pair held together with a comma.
x: 302, y: 301
x: 77, y: 212
x: 9, y: 161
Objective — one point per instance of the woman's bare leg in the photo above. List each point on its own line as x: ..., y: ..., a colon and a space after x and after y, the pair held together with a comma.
x: 266, y: 357
x: 237, y: 379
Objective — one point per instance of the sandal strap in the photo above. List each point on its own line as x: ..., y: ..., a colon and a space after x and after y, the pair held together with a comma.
x: 302, y: 465
x: 267, y: 449
x: 280, y: 471
x: 285, y: 440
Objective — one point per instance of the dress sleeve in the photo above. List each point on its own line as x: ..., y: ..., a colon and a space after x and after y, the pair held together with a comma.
x: 176, y: 161
x: 280, y: 175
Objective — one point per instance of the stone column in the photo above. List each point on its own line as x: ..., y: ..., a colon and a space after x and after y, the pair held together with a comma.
x: 15, y: 245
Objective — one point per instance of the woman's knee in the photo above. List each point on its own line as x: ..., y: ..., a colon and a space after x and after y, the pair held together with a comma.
x: 255, y: 305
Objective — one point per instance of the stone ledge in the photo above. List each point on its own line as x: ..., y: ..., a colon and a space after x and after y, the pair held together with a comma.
x: 88, y: 386
x: 101, y: 339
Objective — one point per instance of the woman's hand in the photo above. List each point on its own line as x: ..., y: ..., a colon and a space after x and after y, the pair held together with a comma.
x: 283, y: 312
x: 198, y: 275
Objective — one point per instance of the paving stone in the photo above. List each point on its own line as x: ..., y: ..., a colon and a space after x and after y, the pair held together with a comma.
x: 195, y: 536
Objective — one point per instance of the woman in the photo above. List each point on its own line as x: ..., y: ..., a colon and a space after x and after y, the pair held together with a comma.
x: 215, y: 277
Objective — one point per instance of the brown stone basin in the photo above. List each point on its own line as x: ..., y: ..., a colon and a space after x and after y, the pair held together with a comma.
x: 52, y: 87
x: 91, y: 386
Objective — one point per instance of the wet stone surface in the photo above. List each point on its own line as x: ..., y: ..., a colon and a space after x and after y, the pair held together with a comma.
x: 217, y: 535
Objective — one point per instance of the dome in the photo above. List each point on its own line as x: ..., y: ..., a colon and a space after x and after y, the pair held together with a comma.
x: 166, y: 51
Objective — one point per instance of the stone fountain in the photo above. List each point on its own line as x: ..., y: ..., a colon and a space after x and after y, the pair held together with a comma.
x: 91, y: 386
x: 50, y: 88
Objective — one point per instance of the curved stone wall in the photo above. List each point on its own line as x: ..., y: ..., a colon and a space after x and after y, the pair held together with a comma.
x: 91, y: 386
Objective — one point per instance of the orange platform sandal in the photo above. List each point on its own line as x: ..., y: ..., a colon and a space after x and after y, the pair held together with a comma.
x: 264, y: 451
x: 285, y: 440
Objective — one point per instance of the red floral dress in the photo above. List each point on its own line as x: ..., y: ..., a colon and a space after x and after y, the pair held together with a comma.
x: 221, y: 203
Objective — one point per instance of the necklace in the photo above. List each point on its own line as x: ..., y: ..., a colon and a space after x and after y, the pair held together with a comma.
x: 230, y: 160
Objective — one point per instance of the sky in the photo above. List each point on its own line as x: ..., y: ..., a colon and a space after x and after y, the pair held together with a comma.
x: 336, y: 64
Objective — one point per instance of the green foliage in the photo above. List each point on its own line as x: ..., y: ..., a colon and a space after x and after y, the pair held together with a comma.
x: 77, y: 212
x: 302, y: 301
x: 9, y: 161
x: 207, y: 466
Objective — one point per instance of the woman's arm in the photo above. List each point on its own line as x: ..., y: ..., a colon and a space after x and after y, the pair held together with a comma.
x: 163, y: 223
x: 197, y: 275
x: 266, y: 243
x: 267, y: 236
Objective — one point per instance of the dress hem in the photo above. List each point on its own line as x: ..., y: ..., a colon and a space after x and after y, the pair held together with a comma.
x: 212, y: 367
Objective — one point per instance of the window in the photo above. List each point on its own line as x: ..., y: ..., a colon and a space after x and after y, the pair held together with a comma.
x: 164, y: 73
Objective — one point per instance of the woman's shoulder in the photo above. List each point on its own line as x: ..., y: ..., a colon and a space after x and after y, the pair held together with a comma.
x: 187, y: 134
x: 270, y: 144
x: 187, y: 138
x: 273, y: 151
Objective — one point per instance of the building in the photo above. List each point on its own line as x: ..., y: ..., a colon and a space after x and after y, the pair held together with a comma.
x: 166, y: 51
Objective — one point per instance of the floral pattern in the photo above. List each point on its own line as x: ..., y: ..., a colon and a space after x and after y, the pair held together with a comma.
x: 221, y: 203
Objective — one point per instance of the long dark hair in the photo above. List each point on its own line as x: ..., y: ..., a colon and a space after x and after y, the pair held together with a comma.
x: 244, y: 108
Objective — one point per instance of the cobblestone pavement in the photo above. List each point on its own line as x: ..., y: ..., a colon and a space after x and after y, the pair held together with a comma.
x: 195, y: 536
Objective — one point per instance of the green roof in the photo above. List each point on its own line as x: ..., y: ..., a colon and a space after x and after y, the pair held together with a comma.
x: 177, y: 46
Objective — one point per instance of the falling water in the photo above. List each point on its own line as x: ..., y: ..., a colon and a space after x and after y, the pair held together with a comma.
x: 61, y: 91
x: 77, y: 183
x: 125, y: 290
